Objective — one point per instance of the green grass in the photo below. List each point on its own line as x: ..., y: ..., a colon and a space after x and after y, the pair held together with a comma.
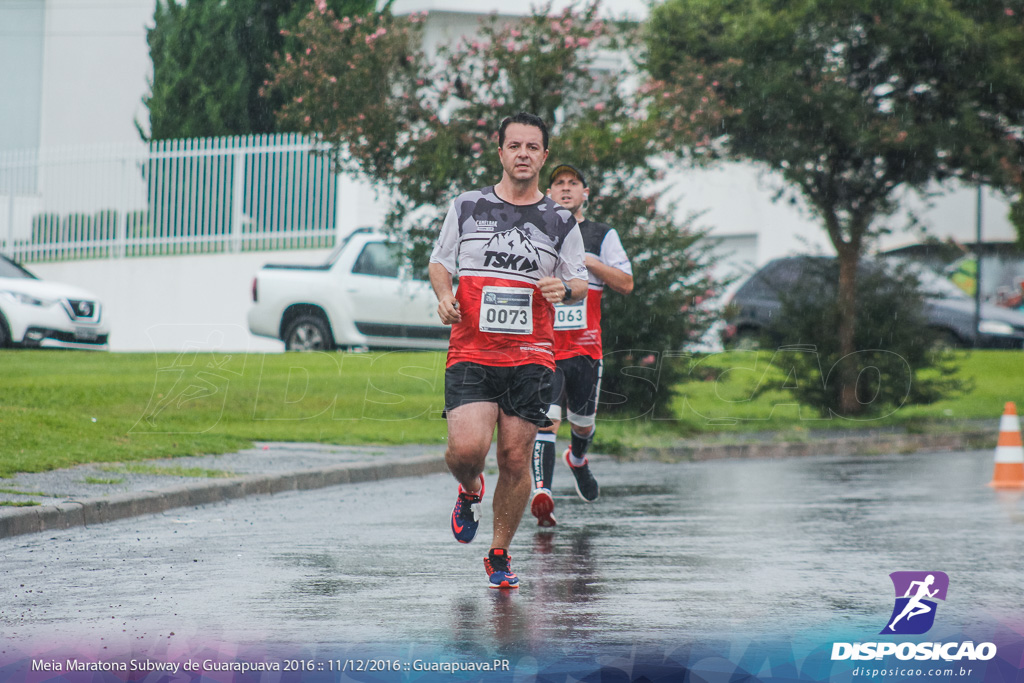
x: 103, y: 480
x: 16, y: 492
x: 59, y: 409
x: 193, y: 472
x: 19, y: 504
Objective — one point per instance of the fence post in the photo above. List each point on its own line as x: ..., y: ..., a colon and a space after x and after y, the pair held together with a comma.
x: 121, y: 224
x: 237, y: 200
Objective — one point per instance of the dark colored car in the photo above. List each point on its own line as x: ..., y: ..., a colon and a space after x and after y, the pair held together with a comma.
x: 755, y: 308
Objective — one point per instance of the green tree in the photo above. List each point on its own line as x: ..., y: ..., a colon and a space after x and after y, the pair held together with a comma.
x: 425, y: 129
x: 897, y: 358
x: 210, y: 60
x: 853, y: 102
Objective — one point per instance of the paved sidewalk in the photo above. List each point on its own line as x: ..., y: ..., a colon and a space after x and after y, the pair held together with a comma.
x: 97, y: 493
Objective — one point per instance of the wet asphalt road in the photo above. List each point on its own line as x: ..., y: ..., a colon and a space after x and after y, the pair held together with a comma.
x: 671, y: 553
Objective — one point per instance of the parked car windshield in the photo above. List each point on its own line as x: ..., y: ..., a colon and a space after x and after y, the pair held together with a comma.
x: 9, y: 268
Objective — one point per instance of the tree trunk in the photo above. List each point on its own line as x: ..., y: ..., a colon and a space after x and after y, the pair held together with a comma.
x: 849, y: 258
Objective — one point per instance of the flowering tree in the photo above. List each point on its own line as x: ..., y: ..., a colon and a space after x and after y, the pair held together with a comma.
x: 425, y: 128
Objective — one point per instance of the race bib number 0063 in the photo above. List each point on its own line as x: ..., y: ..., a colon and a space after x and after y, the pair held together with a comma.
x: 571, y: 316
x: 506, y: 310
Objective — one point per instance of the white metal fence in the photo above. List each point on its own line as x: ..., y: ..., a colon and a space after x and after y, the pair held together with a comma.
x: 203, y: 195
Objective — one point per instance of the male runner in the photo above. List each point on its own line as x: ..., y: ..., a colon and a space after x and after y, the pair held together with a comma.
x: 578, y: 351
x: 516, y: 253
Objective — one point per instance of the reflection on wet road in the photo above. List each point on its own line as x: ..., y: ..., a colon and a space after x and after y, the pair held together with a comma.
x: 670, y: 554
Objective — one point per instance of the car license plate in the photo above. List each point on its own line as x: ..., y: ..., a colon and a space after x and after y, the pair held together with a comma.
x: 85, y: 334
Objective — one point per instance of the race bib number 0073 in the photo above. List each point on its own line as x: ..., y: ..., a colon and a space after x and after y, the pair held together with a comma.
x: 506, y: 310
x: 571, y: 316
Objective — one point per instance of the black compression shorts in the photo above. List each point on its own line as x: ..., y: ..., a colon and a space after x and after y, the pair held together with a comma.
x: 576, y: 386
x: 521, y: 390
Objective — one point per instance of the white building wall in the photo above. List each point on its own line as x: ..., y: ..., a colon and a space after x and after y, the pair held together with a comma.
x: 174, y: 303
x: 22, y: 33
x: 95, y: 70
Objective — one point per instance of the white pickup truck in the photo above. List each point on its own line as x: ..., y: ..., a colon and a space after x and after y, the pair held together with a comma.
x: 362, y: 297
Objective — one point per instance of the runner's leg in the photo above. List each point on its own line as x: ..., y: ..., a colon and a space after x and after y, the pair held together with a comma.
x: 515, y: 446
x: 470, y: 430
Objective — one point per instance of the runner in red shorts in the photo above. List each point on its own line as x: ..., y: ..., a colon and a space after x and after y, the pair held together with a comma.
x: 516, y: 253
x: 578, y: 351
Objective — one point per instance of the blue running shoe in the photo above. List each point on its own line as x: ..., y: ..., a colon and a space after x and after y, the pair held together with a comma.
x: 466, y: 515
x: 498, y: 570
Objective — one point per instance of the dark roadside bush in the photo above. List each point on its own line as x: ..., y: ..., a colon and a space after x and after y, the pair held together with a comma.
x: 898, y: 357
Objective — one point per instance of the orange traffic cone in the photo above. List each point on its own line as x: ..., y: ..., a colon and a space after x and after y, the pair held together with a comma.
x: 1009, y: 471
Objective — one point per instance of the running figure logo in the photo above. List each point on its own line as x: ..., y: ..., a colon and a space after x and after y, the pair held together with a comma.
x: 916, y: 592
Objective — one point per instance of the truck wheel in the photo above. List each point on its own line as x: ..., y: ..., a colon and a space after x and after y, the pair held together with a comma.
x: 308, y: 333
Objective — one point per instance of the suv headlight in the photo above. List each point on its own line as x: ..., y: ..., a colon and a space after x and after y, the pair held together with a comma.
x: 995, y: 327
x: 22, y: 298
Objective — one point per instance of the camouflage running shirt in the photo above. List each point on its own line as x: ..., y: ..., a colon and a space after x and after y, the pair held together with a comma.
x: 500, y: 251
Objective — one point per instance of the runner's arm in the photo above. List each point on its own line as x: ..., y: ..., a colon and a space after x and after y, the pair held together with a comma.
x: 443, y: 262
x: 447, y: 306
x: 612, y: 265
x: 553, y: 289
x: 618, y: 280
x: 571, y: 271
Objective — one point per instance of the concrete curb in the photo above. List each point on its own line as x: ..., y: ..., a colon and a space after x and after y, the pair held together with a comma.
x: 89, y: 511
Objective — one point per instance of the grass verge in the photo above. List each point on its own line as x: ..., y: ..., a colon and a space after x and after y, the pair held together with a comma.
x: 60, y: 409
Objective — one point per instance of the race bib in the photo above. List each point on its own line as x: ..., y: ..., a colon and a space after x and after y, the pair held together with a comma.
x: 571, y: 316
x: 506, y: 310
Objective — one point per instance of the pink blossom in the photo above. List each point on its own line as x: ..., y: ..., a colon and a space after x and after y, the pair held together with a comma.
x: 1009, y: 12
x: 481, y: 122
x: 476, y: 147
x: 322, y: 6
x: 583, y: 42
x: 299, y: 100
x: 599, y: 106
x: 332, y: 79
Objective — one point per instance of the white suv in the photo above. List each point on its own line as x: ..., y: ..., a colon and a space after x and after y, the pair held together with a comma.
x: 39, y: 314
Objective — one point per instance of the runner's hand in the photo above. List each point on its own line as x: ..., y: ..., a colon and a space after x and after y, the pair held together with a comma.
x: 448, y: 310
x: 552, y: 289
